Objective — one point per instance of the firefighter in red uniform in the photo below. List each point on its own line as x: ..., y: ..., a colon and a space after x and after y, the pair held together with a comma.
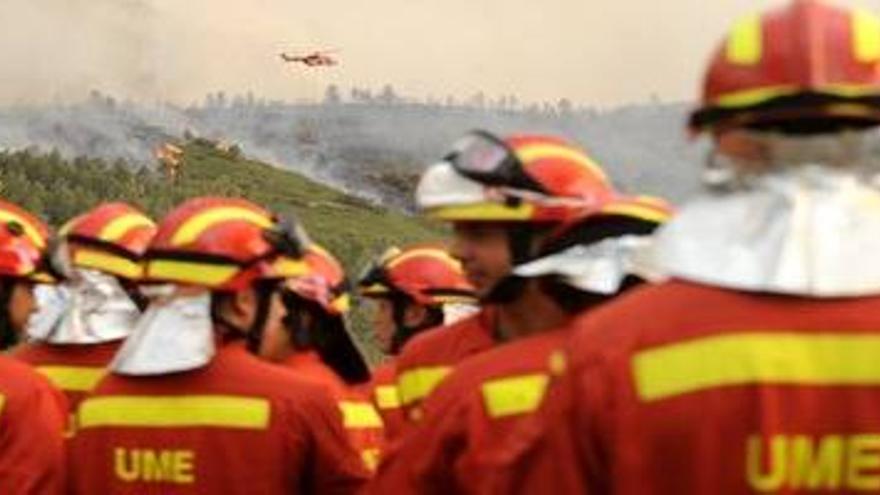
x: 502, y: 196
x: 413, y: 289
x: 316, y: 344
x: 73, y: 338
x: 31, y: 410
x: 754, y: 368
x: 472, y: 420
x: 187, y: 407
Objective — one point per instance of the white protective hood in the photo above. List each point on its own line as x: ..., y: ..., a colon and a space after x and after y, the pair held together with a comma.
x: 175, y: 333
x: 89, y: 308
x: 600, y: 267
x: 807, y: 230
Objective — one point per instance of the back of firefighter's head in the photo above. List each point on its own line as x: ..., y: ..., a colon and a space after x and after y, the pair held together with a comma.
x: 502, y: 195
x: 316, y: 305
x: 22, y: 244
x: 792, y: 74
x: 414, y: 288
x: 601, y: 256
x: 110, y: 239
x: 236, y: 250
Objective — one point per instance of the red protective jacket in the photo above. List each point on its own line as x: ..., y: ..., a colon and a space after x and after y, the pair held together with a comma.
x: 688, y: 389
x: 382, y: 390
x: 74, y: 369
x: 472, y: 420
x: 236, y: 426
x: 32, y: 419
x: 359, y: 416
x: 429, y: 356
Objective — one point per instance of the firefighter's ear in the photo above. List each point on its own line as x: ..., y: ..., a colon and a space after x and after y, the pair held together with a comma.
x: 239, y: 308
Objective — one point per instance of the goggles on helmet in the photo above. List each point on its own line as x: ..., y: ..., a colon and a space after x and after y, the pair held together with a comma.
x: 482, y: 157
x: 375, y: 275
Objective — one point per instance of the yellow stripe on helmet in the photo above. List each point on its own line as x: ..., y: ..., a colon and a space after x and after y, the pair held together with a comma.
x: 342, y: 304
x: 118, y: 227
x: 30, y: 230
x: 532, y: 152
x: 865, y: 36
x: 117, y: 265
x: 195, y: 226
x: 745, y: 45
x: 636, y: 211
x: 285, y: 267
x: 191, y: 272
x: 486, y: 211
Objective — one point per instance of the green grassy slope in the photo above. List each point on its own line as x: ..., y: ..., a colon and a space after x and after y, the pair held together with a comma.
x: 351, y: 228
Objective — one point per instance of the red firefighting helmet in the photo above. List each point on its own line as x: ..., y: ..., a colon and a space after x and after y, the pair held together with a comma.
x: 23, y: 240
x: 326, y: 285
x: 426, y: 273
x: 807, y: 61
x: 224, y: 245
x: 111, y: 238
x: 519, y: 178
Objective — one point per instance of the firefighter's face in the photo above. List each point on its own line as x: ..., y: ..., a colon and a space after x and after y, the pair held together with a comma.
x: 484, y: 252
x: 21, y: 305
x: 383, y: 321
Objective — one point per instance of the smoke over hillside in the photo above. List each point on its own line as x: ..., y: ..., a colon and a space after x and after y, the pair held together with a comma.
x: 372, y: 149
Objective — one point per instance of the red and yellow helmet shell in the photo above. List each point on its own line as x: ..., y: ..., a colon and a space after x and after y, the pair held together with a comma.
x: 325, y: 283
x: 427, y: 273
x: 646, y: 208
x: 111, y: 238
x: 806, y: 60
x: 571, y: 183
x: 221, y: 244
x: 23, y: 239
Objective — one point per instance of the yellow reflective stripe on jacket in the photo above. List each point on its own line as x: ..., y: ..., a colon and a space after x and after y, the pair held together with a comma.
x: 359, y: 415
x: 73, y: 378
x: 2, y: 403
x: 416, y: 384
x: 185, y: 411
x: 514, y: 395
x: 753, y: 358
x: 371, y: 458
x: 387, y: 397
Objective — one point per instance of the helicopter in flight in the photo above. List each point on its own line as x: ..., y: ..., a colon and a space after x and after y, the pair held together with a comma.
x: 319, y: 58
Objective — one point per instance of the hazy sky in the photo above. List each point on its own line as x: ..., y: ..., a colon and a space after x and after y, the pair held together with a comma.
x: 592, y: 51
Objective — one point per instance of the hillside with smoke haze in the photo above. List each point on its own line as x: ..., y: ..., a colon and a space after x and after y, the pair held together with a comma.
x: 373, y: 147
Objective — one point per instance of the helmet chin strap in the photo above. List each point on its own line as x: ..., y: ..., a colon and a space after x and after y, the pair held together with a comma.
x: 8, y: 335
